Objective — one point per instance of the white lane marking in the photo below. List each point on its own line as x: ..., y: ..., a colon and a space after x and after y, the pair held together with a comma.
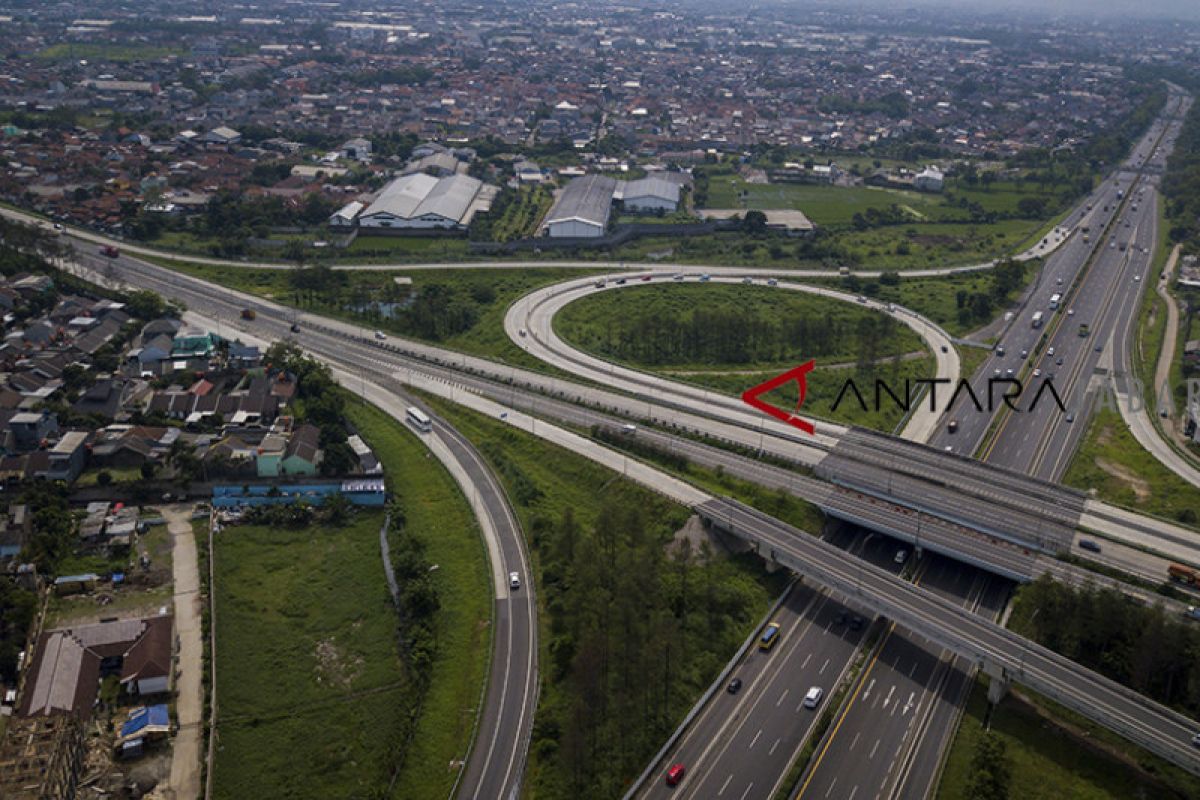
x: 914, y: 668
x: 832, y: 783
x: 870, y: 686
x: 806, y: 659
x: 772, y: 750
x: 748, y: 788
x: 725, y: 784
x: 874, y: 747
x: 908, y: 706
x: 780, y: 700
x: 855, y: 740
x: 823, y: 666
x: 888, y: 699
x: 754, y: 741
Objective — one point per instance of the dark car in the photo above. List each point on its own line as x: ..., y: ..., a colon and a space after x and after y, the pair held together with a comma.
x: 1088, y: 544
x: 734, y: 686
x: 295, y: 327
x: 842, y: 618
x: 857, y: 623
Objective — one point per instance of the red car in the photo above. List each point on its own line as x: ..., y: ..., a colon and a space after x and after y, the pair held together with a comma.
x: 675, y: 774
x: 110, y: 251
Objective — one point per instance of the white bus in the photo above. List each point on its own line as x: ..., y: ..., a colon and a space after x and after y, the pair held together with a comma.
x: 418, y: 419
x: 1055, y: 299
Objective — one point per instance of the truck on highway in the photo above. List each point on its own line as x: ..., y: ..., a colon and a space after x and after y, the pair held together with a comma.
x: 248, y: 313
x: 1181, y: 574
x: 110, y: 251
x: 1037, y: 319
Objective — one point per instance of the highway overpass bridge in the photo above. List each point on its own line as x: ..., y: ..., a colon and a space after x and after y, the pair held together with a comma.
x: 1004, y: 656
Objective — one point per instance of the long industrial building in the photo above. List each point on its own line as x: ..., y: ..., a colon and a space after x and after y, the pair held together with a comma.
x: 419, y: 201
x: 582, y: 208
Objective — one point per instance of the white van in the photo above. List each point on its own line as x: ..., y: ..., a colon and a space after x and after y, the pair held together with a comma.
x: 813, y: 698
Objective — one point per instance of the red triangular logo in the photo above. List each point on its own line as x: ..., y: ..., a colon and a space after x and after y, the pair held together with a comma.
x: 752, y: 396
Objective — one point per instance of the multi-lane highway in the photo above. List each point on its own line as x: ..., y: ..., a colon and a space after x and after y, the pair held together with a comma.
x: 494, y: 765
x: 672, y: 404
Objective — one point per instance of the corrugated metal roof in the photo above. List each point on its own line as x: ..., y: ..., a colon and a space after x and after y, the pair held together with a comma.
x: 412, y: 196
x: 650, y: 187
x: 588, y: 198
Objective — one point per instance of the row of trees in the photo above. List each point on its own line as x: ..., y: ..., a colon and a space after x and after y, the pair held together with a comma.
x: 1181, y: 183
x: 729, y: 334
x: 434, y: 312
x: 637, y: 626
x: 1144, y: 648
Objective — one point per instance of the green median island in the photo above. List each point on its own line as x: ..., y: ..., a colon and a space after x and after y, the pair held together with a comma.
x: 731, y: 337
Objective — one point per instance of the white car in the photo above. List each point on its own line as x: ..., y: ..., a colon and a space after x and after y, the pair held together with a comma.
x: 1050, y: 351
x: 380, y: 335
x: 1070, y: 312
x: 1037, y: 373
x: 514, y: 580
x: 901, y: 556
x: 813, y: 698
x: 1137, y: 278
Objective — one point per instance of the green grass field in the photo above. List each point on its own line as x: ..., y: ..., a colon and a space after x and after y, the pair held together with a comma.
x: 824, y: 205
x: 1112, y: 462
x: 312, y: 693
x: 937, y: 244
x: 435, y: 508
x: 1046, y: 763
x: 99, y: 51
x: 314, y: 699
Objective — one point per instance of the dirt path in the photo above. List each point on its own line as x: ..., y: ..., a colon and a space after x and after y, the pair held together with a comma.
x: 185, y: 763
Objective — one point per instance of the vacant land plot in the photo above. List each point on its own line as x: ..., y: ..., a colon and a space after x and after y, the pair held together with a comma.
x: 1111, y: 462
x: 931, y: 245
x: 824, y: 205
x: 313, y: 694
x: 315, y: 700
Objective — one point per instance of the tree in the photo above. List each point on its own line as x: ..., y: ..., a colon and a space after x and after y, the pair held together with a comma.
x: 991, y: 771
x: 754, y: 222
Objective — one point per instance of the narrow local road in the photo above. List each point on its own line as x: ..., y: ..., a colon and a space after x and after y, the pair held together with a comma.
x: 189, y: 704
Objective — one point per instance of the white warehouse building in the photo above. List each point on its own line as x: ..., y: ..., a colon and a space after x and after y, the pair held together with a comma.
x: 582, y: 208
x: 419, y: 201
x: 649, y: 194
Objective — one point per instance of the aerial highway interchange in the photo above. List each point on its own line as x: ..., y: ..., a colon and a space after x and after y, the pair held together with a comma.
x: 980, y: 524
